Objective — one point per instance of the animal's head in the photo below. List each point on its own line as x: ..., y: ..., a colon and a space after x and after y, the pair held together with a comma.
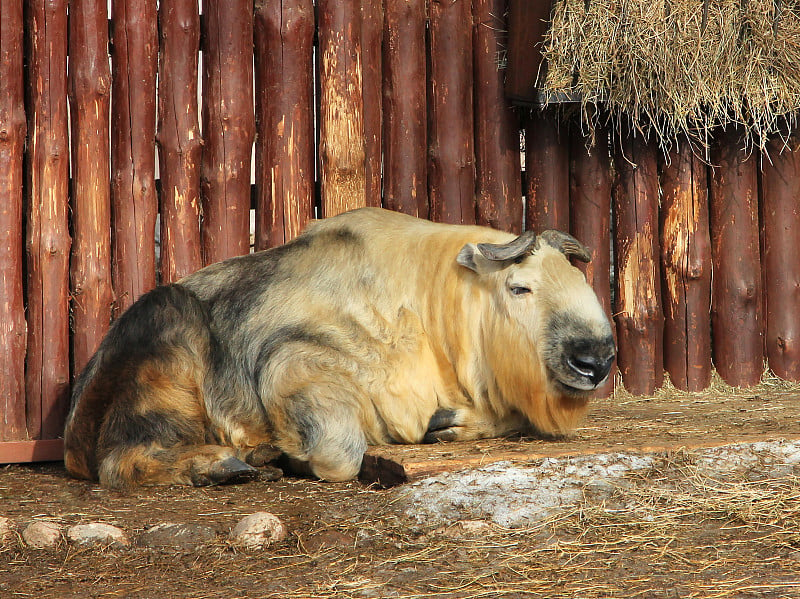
x: 548, y: 300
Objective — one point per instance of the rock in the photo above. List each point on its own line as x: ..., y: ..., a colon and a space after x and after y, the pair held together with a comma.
x: 42, y: 535
x: 97, y: 533
x: 177, y: 536
x: 258, y: 530
x: 6, y: 529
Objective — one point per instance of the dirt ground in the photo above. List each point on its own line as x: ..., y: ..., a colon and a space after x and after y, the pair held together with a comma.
x: 676, y: 532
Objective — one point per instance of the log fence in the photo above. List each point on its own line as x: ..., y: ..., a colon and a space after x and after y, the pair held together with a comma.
x: 349, y: 103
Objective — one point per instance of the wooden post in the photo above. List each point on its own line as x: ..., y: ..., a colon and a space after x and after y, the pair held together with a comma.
x: 590, y: 218
x: 134, y: 204
x: 228, y: 128
x: 372, y: 62
x: 451, y: 174
x: 179, y: 141
x: 736, y: 311
x: 12, y: 146
x: 781, y: 230
x: 547, y: 172
x: 341, y: 119
x: 686, y: 269
x: 48, y: 242
x: 90, y: 89
x: 527, y: 23
x: 497, y: 148
x: 284, y: 34
x: 404, y: 108
x: 640, y: 321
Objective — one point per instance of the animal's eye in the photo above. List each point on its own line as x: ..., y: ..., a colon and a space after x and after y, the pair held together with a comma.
x: 517, y: 290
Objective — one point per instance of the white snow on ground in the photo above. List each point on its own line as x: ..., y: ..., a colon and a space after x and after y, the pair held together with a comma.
x: 517, y: 495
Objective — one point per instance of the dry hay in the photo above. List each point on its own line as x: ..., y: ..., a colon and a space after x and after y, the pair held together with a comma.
x: 679, y: 67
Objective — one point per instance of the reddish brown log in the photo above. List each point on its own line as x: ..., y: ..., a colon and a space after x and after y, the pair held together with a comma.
x: 228, y: 128
x: 451, y: 166
x: 341, y: 120
x: 547, y: 172
x: 527, y: 24
x: 404, y: 108
x: 12, y: 145
x: 133, y: 122
x: 284, y: 34
x: 590, y: 218
x: 179, y: 141
x: 686, y: 269
x: 372, y: 61
x: 781, y: 267
x: 736, y: 310
x: 90, y: 87
x: 640, y: 321
x: 48, y: 242
x: 497, y: 159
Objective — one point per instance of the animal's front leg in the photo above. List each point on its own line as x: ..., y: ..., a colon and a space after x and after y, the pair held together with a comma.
x: 463, y: 424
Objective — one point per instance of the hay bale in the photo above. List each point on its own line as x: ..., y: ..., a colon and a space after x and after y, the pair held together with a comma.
x: 679, y: 66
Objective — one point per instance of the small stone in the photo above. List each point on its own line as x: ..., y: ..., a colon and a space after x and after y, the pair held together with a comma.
x: 6, y: 529
x: 42, y: 535
x: 258, y: 530
x: 180, y: 536
x: 97, y: 533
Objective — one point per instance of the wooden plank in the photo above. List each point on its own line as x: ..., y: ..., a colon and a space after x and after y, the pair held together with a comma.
x: 13, y: 335
x: 528, y: 21
x: 228, y: 128
x: 546, y: 172
x: 497, y: 127
x: 371, y: 84
x: 179, y: 141
x: 20, y: 452
x: 48, y: 241
x: 404, y: 108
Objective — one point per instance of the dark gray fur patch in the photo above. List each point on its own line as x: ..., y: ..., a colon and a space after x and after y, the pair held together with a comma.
x: 309, y: 428
x: 282, y: 336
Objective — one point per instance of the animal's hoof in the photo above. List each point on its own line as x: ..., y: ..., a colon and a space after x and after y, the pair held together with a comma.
x: 229, y: 470
x: 270, y: 473
x: 440, y: 436
x: 442, y: 426
x: 263, y: 455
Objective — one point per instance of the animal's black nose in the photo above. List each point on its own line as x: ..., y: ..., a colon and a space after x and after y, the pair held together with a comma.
x: 593, y: 367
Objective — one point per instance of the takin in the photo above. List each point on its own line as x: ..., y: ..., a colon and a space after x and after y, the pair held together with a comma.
x: 371, y: 327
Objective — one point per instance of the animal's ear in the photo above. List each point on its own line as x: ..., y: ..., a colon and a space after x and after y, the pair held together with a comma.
x: 466, y: 257
x: 472, y: 257
x: 566, y: 244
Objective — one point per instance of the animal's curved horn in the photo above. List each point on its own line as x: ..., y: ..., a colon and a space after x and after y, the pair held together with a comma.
x: 508, y: 251
x: 566, y: 244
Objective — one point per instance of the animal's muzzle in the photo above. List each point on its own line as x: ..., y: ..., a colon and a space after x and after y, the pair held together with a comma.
x: 592, y: 360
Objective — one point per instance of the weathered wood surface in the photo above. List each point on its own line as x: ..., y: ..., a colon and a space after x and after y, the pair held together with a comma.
x: 638, y: 313
x: 497, y: 128
x: 527, y: 24
x: 90, y: 98
x: 134, y: 204
x: 342, y: 155
x: 736, y: 300
x: 13, y: 328
x: 546, y: 172
x: 590, y: 183
x: 228, y: 128
x: 404, y: 108
x: 284, y: 34
x: 780, y: 212
x: 47, y: 237
x: 371, y: 83
x: 451, y: 165
x: 686, y: 269
x: 179, y: 140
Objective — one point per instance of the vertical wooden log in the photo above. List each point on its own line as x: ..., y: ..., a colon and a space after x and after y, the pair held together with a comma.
x: 341, y: 120
x: 451, y: 166
x: 590, y: 218
x: 639, y: 318
x: 781, y: 229
x: 372, y: 61
x: 228, y: 128
x: 736, y: 310
x: 527, y: 24
x: 134, y: 204
x: 404, y: 108
x: 179, y: 141
x: 48, y: 242
x: 497, y: 149
x: 12, y: 145
x: 686, y: 269
x: 284, y: 34
x: 547, y: 172
x: 90, y: 88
